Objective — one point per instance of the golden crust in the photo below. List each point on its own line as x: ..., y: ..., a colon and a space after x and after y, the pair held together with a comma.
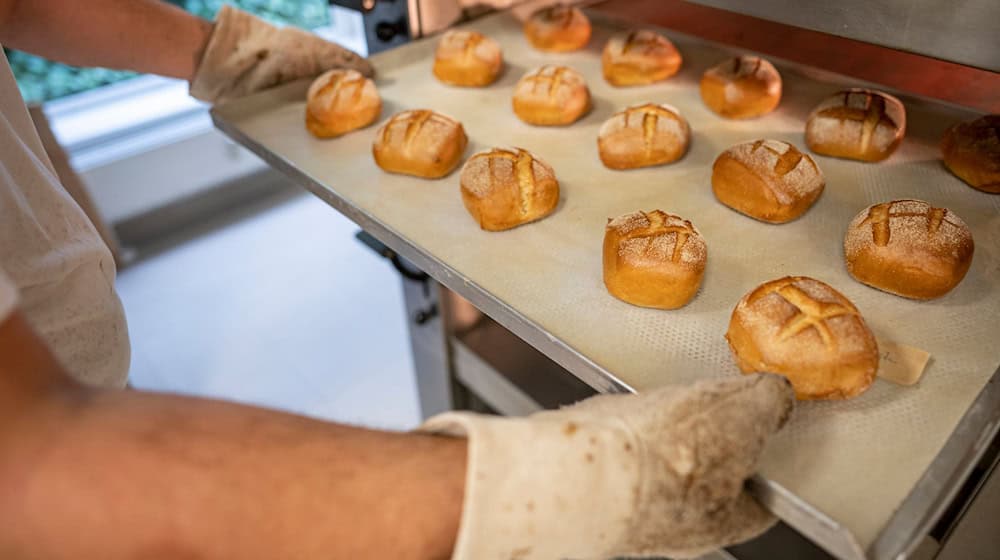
x: 643, y: 135
x: 467, y: 59
x: 971, y: 150
x: 908, y: 248
x: 339, y: 101
x: 860, y: 124
x: 421, y: 143
x: 639, y: 57
x: 557, y: 29
x: 551, y: 96
x: 743, y: 87
x: 653, y: 259
x: 504, y: 188
x: 805, y: 330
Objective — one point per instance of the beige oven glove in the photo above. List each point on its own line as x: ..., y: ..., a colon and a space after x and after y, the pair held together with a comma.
x: 245, y: 54
x: 657, y: 474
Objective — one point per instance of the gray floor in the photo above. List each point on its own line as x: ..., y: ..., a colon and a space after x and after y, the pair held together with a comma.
x: 281, y: 308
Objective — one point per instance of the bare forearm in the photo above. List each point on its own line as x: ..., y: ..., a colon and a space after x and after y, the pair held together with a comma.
x: 142, y: 35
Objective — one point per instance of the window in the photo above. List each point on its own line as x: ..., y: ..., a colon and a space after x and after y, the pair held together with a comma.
x: 42, y: 80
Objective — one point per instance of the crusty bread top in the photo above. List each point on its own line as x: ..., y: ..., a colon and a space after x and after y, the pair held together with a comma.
x: 742, y: 67
x: 651, y: 118
x: 549, y: 83
x: 653, y: 238
x: 907, y: 225
x: 419, y: 125
x: 334, y: 88
x: 981, y: 137
x: 859, y: 117
x: 505, y: 166
x: 639, y: 44
x: 557, y: 17
x: 796, y: 315
x: 467, y: 44
x: 790, y: 173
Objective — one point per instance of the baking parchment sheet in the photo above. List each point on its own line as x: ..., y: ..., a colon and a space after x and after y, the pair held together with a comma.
x: 853, y: 460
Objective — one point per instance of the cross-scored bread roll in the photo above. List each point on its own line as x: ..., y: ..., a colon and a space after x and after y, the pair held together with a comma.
x: 557, y: 29
x: 638, y: 58
x: 551, y: 96
x: 742, y: 87
x: 971, y: 150
x: 908, y: 248
x: 504, y: 188
x: 340, y: 101
x: 643, y: 135
x: 653, y: 259
x: 857, y: 124
x: 420, y: 143
x: 805, y: 330
x: 769, y: 180
x: 467, y: 58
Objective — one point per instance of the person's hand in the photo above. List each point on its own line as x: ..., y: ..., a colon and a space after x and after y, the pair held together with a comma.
x: 657, y: 474
x: 246, y: 54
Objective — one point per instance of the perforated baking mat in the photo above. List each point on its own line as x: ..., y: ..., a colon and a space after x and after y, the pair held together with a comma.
x: 855, y: 460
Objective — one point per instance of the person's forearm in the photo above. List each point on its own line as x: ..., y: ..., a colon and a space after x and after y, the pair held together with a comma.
x: 141, y: 35
x: 115, y: 475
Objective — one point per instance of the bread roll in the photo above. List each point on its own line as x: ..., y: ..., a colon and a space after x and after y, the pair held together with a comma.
x: 769, y: 180
x: 551, y: 96
x: 971, y: 150
x: 743, y: 87
x: 857, y: 124
x: 908, y: 248
x: 653, y: 259
x: 807, y: 331
x: 504, y: 188
x: 467, y: 58
x: 340, y: 101
x: 638, y: 58
x: 643, y: 135
x: 420, y: 143
x: 557, y: 29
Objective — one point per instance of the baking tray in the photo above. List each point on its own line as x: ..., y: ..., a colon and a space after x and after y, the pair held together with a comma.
x: 865, y: 477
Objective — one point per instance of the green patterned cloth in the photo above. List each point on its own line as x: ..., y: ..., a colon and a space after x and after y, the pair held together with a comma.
x: 42, y: 80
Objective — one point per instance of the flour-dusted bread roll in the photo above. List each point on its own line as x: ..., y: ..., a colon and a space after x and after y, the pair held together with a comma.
x: 420, y: 143
x: 643, y: 135
x: 971, y: 150
x: 467, y: 58
x: 805, y: 330
x: 340, y: 101
x: 557, y: 28
x: 653, y: 259
x: 859, y: 124
x: 908, y: 248
x: 638, y: 58
x: 504, y: 188
x: 769, y: 180
x: 551, y: 96
x: 742, y: 87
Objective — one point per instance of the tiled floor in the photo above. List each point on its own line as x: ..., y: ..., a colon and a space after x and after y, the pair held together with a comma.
x: 281, y: 308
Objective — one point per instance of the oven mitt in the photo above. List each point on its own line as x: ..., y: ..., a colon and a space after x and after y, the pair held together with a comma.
x: 245, y: 54
x: 656, y: 474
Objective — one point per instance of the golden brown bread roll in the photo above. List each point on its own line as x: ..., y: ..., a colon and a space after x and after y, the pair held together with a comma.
x: 643, y: 135
x: 420, y: 143
x: 769, y: 180
x: 805, y: 330
x: 857, y: 124
x: 908, y: 248
x: 638, y: 58
x: 743, y: 87
x: 504, y: 188
x: 557, y: 29
x: 551, y: 96
x: 971, y: 150
x: 340, y: 101
x: 653, y: 259
x: 467, y: 58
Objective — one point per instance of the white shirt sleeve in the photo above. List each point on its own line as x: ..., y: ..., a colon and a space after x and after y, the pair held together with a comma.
x: 8, y: 296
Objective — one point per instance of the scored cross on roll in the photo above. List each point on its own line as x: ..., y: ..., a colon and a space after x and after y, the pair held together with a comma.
x: 859, y: 124
x: 421, y: 143
x: 551, y: 96
x: 639, y: 57
x: 643, y: 135
x: 505, y: 187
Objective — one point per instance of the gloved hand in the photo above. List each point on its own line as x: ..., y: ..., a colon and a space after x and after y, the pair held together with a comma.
x: 657, y: 474
x: 246, y: 54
